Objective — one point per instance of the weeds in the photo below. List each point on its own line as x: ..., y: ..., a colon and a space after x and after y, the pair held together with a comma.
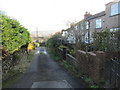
x: 17, y: 70
x: 73, y: 70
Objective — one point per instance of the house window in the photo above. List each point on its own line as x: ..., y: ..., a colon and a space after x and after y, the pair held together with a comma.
x: 76, y: 27
x: 64, y: 33
x: 114, y: 29
x: 98, y: 23
x: 87, y: 25
x: 115, y: 9
x: 81, y: 27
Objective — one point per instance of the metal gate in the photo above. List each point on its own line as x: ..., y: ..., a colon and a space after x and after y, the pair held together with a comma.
x: 115, y: 73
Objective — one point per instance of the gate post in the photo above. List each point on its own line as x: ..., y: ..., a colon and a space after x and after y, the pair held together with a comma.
x: 64, y: 53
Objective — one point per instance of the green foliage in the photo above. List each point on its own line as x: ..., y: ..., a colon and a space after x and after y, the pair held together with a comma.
x: 88, y: 79
x: 75, y: 72
x: 14, y: 74
x: 54, y: 41
x: 73, y: 52
x: 94, y: 86
x: 53, y: 54
x: 13, y: 34
x: 69, y: 67
x: 105, y: 41
x: 62, y: 46
x: 56, y: 58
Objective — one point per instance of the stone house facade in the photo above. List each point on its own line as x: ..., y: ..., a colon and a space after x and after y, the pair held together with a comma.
x: 108, y: 19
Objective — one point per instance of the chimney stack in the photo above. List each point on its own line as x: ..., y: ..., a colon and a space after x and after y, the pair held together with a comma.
x: 87, y: 14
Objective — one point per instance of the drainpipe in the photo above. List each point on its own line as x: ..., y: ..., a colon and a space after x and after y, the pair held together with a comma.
x: 88, y: 33
x: 88, y: 39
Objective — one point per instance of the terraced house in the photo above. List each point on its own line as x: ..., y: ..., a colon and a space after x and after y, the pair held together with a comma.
x: 108, y: 19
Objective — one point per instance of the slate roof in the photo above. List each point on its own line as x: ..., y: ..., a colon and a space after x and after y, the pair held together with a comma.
x: 96, y: 15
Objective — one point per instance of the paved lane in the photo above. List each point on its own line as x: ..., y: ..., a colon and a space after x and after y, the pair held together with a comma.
x: 43, y: 71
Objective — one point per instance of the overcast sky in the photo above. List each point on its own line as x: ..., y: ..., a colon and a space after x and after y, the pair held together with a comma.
x: 50, y: 15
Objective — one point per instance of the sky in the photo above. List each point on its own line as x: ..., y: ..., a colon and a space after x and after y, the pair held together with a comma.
x: 50, y: 15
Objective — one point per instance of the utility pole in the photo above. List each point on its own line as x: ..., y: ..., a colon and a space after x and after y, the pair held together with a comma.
x: 37, y: 33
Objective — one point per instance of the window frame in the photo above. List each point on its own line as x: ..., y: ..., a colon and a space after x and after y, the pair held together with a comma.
x: 87, y: 24
x: 115, y: 9
x: 98, y: 23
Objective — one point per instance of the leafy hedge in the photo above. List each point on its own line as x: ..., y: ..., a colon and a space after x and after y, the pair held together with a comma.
x: 13, y: 34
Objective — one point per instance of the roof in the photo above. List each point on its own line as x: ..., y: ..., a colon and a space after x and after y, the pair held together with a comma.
x: 109, y: 3
x: 96, y: 15
x: 79, y: 22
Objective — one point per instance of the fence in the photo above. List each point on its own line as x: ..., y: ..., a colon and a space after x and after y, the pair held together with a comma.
x: 114, y: 76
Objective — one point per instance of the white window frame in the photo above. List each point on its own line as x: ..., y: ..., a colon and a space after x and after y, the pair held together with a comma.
x: 98, y: 23
x: 76, y: 27
x: 87, y: 25
x: 115, y: 9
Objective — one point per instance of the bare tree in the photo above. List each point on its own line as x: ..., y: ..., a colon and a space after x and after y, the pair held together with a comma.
x: 79, y: 33
x: 76, y: 33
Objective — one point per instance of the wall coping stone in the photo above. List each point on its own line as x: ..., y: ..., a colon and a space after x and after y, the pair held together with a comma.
x: 71, y: 56
x: 82, y: 51
x: 91, y: 53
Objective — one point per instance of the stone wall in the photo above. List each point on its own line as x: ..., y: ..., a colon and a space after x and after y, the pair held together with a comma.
x: 92, y: 64
x: 97, y: 65
x: 71, y: 59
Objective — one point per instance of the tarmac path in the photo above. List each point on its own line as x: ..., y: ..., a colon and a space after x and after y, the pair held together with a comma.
x: 44, y: 72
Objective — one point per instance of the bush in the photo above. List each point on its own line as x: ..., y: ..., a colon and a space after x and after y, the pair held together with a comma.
x: 54, y: 41
x: 13, y: 34
x: 105, y: 41
x: 73, y: 52
x: 62, y: 46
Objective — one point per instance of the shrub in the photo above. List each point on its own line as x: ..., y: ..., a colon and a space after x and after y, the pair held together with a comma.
x: 54, y: 41
x: 73, y: 52
x: 62, y: 46
x: 105, y: 41
x: 13, y: 34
